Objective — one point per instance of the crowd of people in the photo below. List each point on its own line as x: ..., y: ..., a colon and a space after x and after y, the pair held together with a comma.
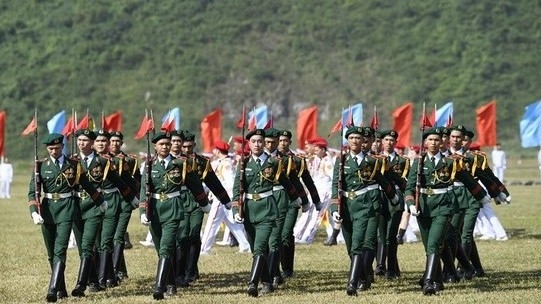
x: 371, y: 195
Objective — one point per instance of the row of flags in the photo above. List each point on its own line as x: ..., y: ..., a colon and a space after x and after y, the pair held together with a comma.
x: 307, y: 123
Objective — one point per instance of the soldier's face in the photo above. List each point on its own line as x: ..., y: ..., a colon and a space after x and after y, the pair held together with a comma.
x: 163, y: 147
x: 101, y: 144
x: 388, y: 143
x: 256, y: 144
x: 284, y: 143
x: 176, y: 144
x: 115, y: 143
x: 271, y: 144
x: 455, y: 139
x: 355, y: 142
x: 466, y: 142
x: 55, y: 151
x: 188, y: 147
x: 84, y: 144
x: 366, y: 144
x: 432, y: 143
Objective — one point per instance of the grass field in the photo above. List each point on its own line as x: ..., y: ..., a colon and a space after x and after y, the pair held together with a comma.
x: 513, y: 267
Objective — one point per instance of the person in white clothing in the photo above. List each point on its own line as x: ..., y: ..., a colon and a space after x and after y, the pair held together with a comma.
x: 6, y: 177
x: 539, y: 159
x: 499, y: 161
x: 224, y: 169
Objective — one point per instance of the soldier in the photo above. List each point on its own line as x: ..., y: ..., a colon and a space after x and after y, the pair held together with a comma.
x: 102, y: 174
x: 59, y: 177
x: 189, y: 237
x: 128, y: 169
x: 163, y: 198
x: 223, y: 167
x: 256, y: 176
x: 431, y: 181
x: 396, y: 171
x: 357, y: 178
x: 296, y: 168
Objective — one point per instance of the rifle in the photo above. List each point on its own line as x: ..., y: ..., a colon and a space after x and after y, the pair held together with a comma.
x: 37, y: 175
x: 421, y: 162
x: 241, y: 165
x: 337, y: 226
x: 148, y: 168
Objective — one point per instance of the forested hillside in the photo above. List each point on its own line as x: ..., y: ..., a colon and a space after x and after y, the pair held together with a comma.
x: 199, y: 55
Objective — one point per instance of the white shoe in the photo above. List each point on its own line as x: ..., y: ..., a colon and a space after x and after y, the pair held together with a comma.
x: 247, y: 250
x: 204, y: 253
x: 503, y: 238
x: 486, y: 238
x: 222, y: 243
x: 147, y: 243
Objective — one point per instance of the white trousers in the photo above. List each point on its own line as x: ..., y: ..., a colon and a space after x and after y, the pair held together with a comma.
x: 488, y: 224
x: 218, y: 214
x: 5, y: 189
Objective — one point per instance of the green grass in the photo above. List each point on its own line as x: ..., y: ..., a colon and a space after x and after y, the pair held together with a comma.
x: 513, y: 267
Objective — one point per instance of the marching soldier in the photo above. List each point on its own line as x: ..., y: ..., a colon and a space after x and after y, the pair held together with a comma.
x: 163, y: 197
x: 128, y: 169
x: 357, y: 178
x: 189, y: 238
x: 254, y: 204
x: 60, y: 178
x: 102, y: 174
x: 431, y: 179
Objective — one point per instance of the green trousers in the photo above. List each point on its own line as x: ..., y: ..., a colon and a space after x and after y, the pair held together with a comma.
x: 258, y: 235
x: 164, y: 236
x: 56, y: 238
x: 360, y: 233
x: 433, y: 231
x: 85, y: 232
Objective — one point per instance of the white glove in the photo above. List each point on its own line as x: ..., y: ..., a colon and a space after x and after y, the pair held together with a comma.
x: 206, y: 208
x: 228, y: 206
x: 318, y: 206
x: 238, y: 219
x: 298, y: 202
x: 38, y: 220
x: 135, y: 203
x: 144, y: 220
x: 507, y: 200
x: 413, y: 210
x: 336, y: 217
x: 485, y: 200
x: 395, y: 199
x: 104, y: 206
x: 305, y: 207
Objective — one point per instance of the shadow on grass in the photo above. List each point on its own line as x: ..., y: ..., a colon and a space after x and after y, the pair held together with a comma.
x: 521, y: 233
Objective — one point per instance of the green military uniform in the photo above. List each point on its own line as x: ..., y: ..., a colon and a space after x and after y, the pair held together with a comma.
x: 59, y: 208
x: 358, y: 179
x: 436, y: 203
x: 255, y: 179
x: 189, y: 237
x: 162, y: 189
x: 396, y: 170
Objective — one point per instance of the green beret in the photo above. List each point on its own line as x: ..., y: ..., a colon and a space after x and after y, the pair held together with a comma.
x: 117, y: 134
x: 357, y: 130
x: 286, y: 133
x: 255, y: 132
x: 470, y: 134
x: 103, y: 133
x: 187, y: 136
x: 459, y: 128
x: 86, y: 132
x: 53, y: 139
x: 391, y: 133
x: 432, y: 131
x: 272, y: 132
x: 370, y: 131
x: 178, y: 134
x: 160, y: 135
x: 444, y: 130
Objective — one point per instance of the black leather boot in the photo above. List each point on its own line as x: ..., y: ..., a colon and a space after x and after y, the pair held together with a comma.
x: 258, y: 263
x: 332, y: 239
x: 266, y: 276
x: 57, y: 272
x: 368, y: 258
x: 171, y: 284
x: 127, y: 242
x: 274, y: 269
x: 288, y: 258
x: 118, y: 254
x: 164, y: 265
x: 438, y: 277
x: 476, y: 260
x: 381, y: 256
x: 180, y: 266
x: 430, y: 273
x: 104, y: 271
x: 192, y: 269
x: 400, y: 236
x: 93, y: 284
x: 354, y: 274
x: 62, y: 293
x: 450, y: 274
x: 466, y: 267
x: 82, y: 278
x: 392, y: 262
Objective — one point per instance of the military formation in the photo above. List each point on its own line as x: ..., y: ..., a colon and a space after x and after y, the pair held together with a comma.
x: 269, y: 197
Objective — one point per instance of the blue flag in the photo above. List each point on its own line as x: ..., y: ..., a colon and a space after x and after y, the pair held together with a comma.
x: 444, y: 114
x: 261, y: 114
x: 356, y: 115
x: 56, y: 125
x: 172, y: 117
x: 530, y: 126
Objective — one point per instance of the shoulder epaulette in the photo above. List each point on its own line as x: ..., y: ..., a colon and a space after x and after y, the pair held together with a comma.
x: 132, y: 155
x: 43, y: 160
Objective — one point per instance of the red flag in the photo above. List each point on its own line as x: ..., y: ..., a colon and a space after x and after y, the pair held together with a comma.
x: 425, y: 120
x: 269, y: 123
x: 242, y: 119
x: 337, y: 126
x: 375, y: 120
x: 69, y: 127
x: 2, y: 131
x: 147, y: 125
x: 252, y: 123
x: 31, y: 127
x: 403, y: 118
x: 83, y: 124
x: 349, y: 120
x: 486, y: 124
x: 306, y: 126
x: 112, y: 122
x: 168, y: 125
x: 211, y: 129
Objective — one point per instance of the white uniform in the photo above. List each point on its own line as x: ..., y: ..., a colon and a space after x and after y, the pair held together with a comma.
x: 499, y: 163
x: 218, y: 213
x: 6, y: 177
